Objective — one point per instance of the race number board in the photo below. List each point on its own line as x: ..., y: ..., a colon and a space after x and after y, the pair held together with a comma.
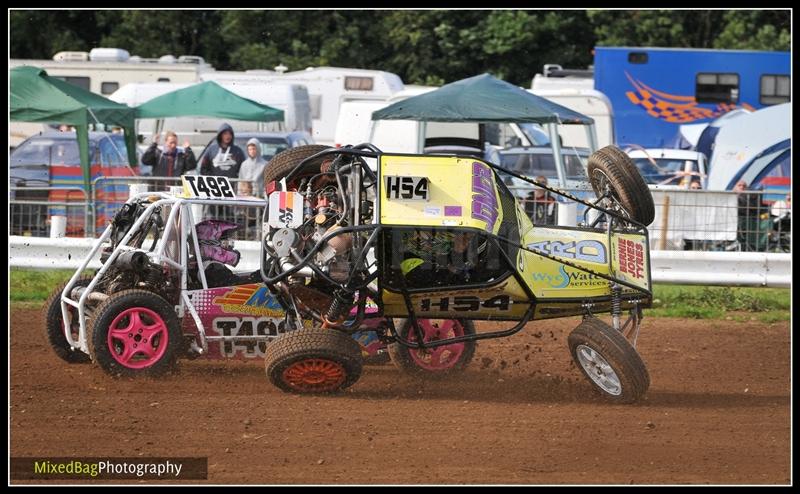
x: 207, y: 187
x: 406, y: 188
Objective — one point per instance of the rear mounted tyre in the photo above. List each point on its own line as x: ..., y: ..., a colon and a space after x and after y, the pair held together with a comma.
x: 54, y: 325
x: 313, y: 361
x: 135, y: 333
x: 436, y: 361
x: 609, y: 361
x: 284, y: 162
x: 613, y: 173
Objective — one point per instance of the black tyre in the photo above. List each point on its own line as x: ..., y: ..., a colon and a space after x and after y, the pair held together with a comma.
x: 283, y: 163
x: 54, y: 325
x: 135, y: 333
x: 612, y: 171
x: 313, y: 360
x: 609, y: 361
x: 437, y: 361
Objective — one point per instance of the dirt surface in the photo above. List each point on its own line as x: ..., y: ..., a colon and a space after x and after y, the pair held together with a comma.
x: 717, y: 411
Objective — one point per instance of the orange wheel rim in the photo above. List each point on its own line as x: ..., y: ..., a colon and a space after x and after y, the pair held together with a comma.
x: 314, y: 375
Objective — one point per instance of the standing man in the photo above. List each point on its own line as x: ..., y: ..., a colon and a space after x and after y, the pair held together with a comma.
x: 222, y: 158
x: 171, y: 161
x: 251, y: 172
x: 540, y: 205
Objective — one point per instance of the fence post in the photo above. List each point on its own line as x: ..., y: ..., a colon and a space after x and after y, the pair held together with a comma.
x: 662, y: 245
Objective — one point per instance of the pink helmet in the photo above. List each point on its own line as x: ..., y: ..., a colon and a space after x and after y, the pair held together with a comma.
x: 215, y: 244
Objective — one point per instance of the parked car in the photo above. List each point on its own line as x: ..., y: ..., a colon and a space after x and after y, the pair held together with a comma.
x: 46, y: 168
x: 540, y: 161
x: 272, y: 143
x: 671, y: 167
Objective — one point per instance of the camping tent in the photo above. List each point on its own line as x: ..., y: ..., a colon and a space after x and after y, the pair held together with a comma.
x: 485, y: 99
x: 37, y: 97
x: 207, y: 99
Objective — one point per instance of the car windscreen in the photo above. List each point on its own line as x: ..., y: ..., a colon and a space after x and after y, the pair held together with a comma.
x: 112, y: 150
x: 46, y: 151
x: 535, y: 164
x: 269, y: 146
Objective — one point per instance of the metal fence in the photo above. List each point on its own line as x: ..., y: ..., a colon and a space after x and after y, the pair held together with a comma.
x: 685, y: 219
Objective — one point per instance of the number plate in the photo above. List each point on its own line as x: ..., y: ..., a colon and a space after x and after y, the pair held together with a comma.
x: 207, y: 187
x: 285, y: 210
x: 407, y: 188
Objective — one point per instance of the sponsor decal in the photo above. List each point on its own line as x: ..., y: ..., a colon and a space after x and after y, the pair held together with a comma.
x: 250, y: 299
x: 452, y: 210
x: 484, y: 201
x: 432, y: 211
x: 570, y: 278
x: 583, y: 250
x: 631, y: 258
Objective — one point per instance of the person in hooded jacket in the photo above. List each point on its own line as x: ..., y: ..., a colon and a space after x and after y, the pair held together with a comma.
x: 223, y: 158
x: 251, y: 173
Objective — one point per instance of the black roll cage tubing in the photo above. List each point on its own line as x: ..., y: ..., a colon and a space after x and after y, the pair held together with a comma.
x: 367, y: 150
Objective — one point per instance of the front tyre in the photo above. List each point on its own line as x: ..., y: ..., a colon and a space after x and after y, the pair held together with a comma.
x: 609, y: 361
x: 135, y: 333
x: 313, y: 360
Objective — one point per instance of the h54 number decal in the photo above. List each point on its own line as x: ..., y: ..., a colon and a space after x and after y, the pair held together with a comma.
x: 464, y: 304
x: 207, y: 187
x: 407, y: 188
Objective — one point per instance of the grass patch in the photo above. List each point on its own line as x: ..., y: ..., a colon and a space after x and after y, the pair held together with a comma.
x: 29, y: 285
x: 711, y: 302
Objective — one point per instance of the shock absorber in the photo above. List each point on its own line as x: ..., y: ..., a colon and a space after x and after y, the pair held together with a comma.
x: 341, y: 303
x: 616, y: 304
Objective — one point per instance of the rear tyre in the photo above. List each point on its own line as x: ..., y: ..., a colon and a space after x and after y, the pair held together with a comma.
x: 609, y: 361
x: 437, y: 361
x: 284, y: 162
x: 313, y: 361
x: 54, y: 325
x: 135, y: 333
x: 613, y: 172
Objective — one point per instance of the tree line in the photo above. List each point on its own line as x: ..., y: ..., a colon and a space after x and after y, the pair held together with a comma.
x: 423, y: 47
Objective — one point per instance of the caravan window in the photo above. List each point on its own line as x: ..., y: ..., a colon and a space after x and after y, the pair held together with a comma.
x: 81, y: 82
x: 353, y: 83
x: 775, y: 89
x: 717, y: 88
x: 108, y: 87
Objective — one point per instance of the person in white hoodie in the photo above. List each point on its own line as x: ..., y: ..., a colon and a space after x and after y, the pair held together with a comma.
x: 251, y: 172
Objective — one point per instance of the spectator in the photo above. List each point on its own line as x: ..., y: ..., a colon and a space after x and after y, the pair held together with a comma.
x: 251, y: 173
x: 540, y: 205
x: 223, y: 158
x: 782, y: 208
x: 695, y: 185
x: 171, y: 161
x: 753, y: 219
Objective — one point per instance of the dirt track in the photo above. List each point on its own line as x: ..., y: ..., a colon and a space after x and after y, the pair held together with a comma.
x: 718, y: 411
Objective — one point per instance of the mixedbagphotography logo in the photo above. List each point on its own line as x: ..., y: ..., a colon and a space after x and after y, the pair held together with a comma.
x: 33, y: 468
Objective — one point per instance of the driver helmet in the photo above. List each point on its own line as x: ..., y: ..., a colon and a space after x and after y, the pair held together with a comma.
x: 215, y: 242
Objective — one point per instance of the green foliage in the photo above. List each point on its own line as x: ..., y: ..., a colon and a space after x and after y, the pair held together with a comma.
x: 422, y: 47
x: 29, y: 285
x: 721, y: 298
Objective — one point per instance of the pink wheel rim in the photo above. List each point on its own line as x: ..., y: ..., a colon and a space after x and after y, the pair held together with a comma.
x: 440, y: 358
x: 137, y: 338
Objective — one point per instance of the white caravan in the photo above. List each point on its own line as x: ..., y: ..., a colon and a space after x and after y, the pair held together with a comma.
x: 328, y: 88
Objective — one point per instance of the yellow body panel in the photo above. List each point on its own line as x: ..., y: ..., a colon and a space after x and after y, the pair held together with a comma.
x: 462, y: 193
